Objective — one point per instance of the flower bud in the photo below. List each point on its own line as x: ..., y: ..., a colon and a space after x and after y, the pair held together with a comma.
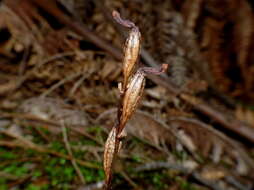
x: 131, y: 97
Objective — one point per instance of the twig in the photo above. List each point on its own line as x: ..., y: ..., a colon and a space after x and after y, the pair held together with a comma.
x: 55, y: 57
x: 51, y: 7
x: 42, y: 134
x: 77, y: 84
x: 129, y: 180
x: 59, y: 83
x: 73, y: 160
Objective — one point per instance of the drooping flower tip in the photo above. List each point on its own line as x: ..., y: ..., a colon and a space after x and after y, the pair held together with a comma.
x: 124, y: 22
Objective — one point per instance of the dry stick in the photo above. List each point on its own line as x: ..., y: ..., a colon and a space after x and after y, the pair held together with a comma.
x: 232, y: 124
x: 129, y: 180
x: 55, y: 57
x: 77, y: 84
x: 73, y: 160
x: 59, y: 83
x: 42, y: 134
x: 51, y: 8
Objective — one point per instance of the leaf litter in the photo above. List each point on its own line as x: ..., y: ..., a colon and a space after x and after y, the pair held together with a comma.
x: 51, y: 75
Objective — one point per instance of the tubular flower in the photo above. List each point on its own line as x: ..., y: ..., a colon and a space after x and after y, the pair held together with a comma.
x: 131, y: 97
x: 131, y: 53
x: 131, y: 48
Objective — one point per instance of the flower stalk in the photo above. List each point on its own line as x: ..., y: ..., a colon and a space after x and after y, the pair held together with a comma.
x: 131, y: 92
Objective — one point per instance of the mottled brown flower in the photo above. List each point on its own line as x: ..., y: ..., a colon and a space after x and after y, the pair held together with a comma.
x: 131, y: 48
x: 132, y: 96
x: 131, y: 53
x: 109, y: 153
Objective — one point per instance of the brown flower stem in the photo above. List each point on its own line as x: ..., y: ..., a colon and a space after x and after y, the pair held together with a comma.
x: 131, y: 92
